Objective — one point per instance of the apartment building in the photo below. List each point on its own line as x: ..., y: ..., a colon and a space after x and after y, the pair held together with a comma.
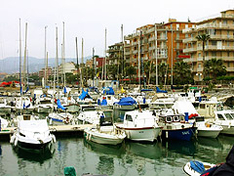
x: 167, y: 38
x: 115, y: 53
x: 219, y: 46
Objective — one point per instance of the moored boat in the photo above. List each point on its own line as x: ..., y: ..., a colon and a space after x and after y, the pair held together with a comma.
x: 140, y: 126
x: 104, y: 135
x: 32, y: 134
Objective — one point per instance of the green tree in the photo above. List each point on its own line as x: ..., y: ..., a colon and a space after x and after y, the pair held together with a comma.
x: 162, y: 73
x: 203, y: 38
x: 214, y: 68
x: 182, y: 73
x: 130, y: 71
x: 112, y: 71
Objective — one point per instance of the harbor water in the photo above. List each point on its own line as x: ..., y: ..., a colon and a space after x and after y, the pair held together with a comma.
x: 128, y: 159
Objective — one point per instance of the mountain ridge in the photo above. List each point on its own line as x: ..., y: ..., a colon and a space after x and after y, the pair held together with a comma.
x: 10, y: 65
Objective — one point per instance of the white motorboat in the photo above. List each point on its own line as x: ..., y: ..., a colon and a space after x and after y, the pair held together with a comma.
x: 3, y: 123
x: 207, y: 128
x: 4, y: 107
x: 21, y: 117
x: 105, y: 135
x: 91, y: 114
x: 33, y: 134
x: 44, y: 103
x: 23, y: 104
x: 140, y: 125
x: 225, y: 118
x: 56, y: 118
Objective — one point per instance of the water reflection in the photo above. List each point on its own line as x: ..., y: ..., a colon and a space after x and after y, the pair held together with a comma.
x: 106, y: 165
x: 182, y: 147
x: 34, y: 155
x: 146, y: 150
x: 110, y: 150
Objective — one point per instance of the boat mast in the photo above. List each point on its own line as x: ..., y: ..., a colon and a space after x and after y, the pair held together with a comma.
x: 46, y: 62
x: 156, y: 53
x: 20, y: 57
x: 171, y: 55
x: 77, y: 62
x: 93, y: 68
x: 139, y: 66
x: 105, y: 52
x: 82, y: 61
x: 56, y: 59
x: 25, y: 54
x: 64, y: 75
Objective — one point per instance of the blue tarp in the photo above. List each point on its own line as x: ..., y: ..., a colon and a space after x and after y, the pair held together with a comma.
x: 127, y: 101
x: 146, y: 90
x: 59, y: 105
x: 84, y: 95
x: 104, y: 102
x: 160, y: 91
x: 108, y: 91
x: 64, y: 90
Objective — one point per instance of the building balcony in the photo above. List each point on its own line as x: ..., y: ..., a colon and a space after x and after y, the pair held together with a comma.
x: 215, y: 47
x: 191, y: 39
x: 222, y: 37
x: 230, y: 69
x: 189, y: 50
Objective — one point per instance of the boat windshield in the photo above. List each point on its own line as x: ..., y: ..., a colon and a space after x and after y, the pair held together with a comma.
x: 228, y: 116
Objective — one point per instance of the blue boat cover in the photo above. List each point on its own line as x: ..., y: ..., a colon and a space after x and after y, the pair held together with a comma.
x: 108, y: 91
x: 197, y: 166
x: 84, y: 95
x: 146, y: 90
x: 64, y: 90
x: 59, y: 105
x: 127, y: 101
x: 104, y: 102
x: 160, y: 91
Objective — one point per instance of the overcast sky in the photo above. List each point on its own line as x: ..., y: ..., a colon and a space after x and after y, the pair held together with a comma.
x: 88, y: 19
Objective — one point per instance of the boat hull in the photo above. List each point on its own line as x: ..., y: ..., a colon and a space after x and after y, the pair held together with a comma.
x: 208, y: 133
x: 179, y: 134
x: 142, y: 134
x: 227, y: 130
x: 103, y: 138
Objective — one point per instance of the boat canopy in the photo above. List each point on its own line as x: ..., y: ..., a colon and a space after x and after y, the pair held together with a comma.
x: 60, y: 105
x: 84, y: 95
x: 126, y: 101
x: 108, y: 91
x: 158, y: 90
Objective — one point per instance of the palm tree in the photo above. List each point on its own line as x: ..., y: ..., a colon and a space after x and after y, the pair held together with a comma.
x: 182, y: 73
x: 203, y: 38
x: 214, y: 68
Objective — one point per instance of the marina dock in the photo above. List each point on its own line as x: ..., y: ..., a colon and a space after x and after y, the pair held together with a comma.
x: 56, y: 129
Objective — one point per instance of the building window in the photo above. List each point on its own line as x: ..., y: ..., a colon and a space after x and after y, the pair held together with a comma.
x: 228, y: 54
x: 177, y: 26
x: 213, y: 43
x: 199, y: 55
x: 186, y: 26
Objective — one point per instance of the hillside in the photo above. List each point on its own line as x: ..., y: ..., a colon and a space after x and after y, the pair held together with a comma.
x: 11, y: 64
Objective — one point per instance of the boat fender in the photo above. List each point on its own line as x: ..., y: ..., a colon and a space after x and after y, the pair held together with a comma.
x: 15, y: 142
x: 12, y: 139
x: 41, y: 141
x: 182, y: 126
x: 54, y: 140
x: 66, y: 120
x: 90, y: 135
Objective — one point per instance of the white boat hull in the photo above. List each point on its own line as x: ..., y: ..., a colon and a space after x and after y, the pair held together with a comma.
x: 94, y: 135
x: 141, y: 134
x: 208, y: 133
